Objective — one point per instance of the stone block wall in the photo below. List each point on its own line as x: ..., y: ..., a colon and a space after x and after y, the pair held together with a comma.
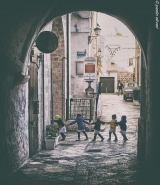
x: 124, y: 77
x: 58, y: 70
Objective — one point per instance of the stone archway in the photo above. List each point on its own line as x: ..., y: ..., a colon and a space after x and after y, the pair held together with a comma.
x: 20, y: 24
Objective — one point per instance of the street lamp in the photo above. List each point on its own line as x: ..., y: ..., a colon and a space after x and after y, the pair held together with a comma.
x: 97, y: 31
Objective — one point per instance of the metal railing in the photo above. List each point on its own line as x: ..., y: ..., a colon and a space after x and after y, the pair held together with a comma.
x: 80, y: 106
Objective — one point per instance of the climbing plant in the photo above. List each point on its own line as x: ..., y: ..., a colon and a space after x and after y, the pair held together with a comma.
x: 99, y: 65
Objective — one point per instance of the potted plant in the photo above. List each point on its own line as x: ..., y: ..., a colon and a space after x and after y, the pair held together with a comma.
x: 52, y: 136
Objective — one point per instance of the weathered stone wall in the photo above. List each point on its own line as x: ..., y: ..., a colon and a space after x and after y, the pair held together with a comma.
x: 15, y: 139
x: 14, y: 130
x: 152, y: 77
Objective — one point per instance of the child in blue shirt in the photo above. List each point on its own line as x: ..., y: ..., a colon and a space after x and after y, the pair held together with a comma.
x: 123, y: 126
x: 81, y: 128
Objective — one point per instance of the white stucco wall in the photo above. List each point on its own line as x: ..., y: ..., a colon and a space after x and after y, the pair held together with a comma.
x: 79, y: 43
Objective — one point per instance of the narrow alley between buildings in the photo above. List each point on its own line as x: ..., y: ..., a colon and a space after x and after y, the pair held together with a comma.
x: 86, y: 162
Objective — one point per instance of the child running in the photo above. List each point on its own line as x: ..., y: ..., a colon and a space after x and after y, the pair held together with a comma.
x: 112, y: 128
x: 61, y: 125
x: 97, y: 128
x: 81, y: 128
x: 123, y: 127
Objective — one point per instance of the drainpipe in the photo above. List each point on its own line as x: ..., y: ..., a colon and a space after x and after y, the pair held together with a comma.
x: 52, y: 93
x: 67, y: 100
x: 43, y: 142
x: 63, y: 88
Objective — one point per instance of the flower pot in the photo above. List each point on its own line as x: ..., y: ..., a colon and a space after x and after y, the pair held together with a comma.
x: 51, y: 143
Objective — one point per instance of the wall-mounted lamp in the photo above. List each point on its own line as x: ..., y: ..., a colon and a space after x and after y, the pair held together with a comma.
x: 97, y: 31
x: 40, y: 57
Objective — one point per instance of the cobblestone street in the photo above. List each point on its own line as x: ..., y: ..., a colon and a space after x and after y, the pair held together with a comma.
x: 86, y: 162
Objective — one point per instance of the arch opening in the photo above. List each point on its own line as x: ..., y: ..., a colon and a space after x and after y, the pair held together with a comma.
x: 58, y: 65
x: 23, y: 43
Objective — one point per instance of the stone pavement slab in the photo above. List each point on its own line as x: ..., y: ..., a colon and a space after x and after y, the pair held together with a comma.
x: 86, y: 162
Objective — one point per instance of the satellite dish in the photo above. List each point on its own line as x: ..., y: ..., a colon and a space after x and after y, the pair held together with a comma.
x: 47, y: 42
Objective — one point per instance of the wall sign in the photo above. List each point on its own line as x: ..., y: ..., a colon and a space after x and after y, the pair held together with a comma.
x: 81, y: 53
x: 89, y: 68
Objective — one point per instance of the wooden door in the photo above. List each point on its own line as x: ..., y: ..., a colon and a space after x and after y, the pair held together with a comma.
x: 33, y: 118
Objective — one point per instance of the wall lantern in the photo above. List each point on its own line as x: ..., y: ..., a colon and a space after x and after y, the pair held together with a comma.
x: 97, y: 31
x: 40, y: 58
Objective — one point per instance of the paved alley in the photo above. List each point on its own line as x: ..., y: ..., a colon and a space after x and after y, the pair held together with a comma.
x: 86, y: 162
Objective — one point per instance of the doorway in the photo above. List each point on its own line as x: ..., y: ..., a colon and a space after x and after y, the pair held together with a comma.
x: 107, y: 84
x: 33, y: 116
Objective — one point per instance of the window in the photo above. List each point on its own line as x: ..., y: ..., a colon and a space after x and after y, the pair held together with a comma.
x: 79, y: 67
